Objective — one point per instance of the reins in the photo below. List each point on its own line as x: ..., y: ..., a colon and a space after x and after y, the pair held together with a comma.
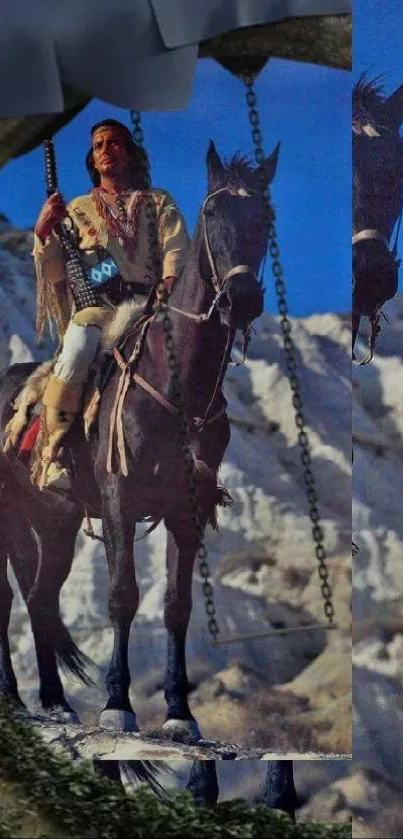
x: 116, y: 422
x: 230, y: 337
x: 127, y: 375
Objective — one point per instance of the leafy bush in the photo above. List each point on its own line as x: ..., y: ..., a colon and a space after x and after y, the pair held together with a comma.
x: 66, y: 799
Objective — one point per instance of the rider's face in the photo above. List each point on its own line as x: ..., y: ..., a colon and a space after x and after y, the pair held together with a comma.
x: 110, y: 154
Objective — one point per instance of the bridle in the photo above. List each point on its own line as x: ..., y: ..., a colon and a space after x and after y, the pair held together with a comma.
x: 368, y: 234
x: 218, y: 283
x: 198, y: 423
x: 372, y: 233
x: 374, y: 321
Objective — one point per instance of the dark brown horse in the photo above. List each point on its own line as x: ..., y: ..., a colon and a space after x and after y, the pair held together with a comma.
x: 377, y: 200
x: 219, y: 277
x: 219, y: 281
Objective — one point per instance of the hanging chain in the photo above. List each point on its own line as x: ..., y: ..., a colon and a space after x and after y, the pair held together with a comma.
x: 289, y: 347
x: 154, y: 269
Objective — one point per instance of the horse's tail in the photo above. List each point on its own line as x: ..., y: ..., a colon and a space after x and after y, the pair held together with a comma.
x: 25, y: 559
x: 46, y: 611
x: 46, y: 619
x: 147, y: 772
x: 45, y: 614
x: 70, y: 658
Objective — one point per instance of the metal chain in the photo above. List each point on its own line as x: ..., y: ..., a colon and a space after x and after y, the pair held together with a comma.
x: 289, y: 347
x: 154, y: 261
x: 154, y: 268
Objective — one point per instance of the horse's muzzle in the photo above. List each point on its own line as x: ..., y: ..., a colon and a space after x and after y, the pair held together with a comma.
x: 241, y: 300
x: 375, y: 276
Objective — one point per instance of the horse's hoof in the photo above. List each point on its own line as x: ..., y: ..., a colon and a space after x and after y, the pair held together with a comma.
x: 115, y: 720
x: 63, y: 716
x: 184, y: 731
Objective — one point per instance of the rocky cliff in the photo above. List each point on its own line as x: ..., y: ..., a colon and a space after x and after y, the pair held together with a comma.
x: 378, y: 580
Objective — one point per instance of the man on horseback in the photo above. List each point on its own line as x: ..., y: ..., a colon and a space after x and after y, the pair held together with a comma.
x: 111, y: 221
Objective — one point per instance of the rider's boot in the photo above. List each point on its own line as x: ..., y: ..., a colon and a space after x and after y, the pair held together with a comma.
x: 61, y: 404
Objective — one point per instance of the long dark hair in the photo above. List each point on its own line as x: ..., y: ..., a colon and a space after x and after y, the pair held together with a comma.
x: 140, y: 165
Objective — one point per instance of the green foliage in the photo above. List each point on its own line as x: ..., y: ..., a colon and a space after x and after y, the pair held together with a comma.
x: 20, y: 817
x: 69, y: 799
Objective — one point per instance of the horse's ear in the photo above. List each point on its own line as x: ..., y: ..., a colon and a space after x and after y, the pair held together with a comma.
x: 215, y: 168
x: 394, y: 105
x: 270, y: 164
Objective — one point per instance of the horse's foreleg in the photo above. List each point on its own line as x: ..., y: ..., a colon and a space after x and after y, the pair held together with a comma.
x: 119, y: 530
x: 181, y: 552
x: 203, y: 783
x: 278, y: 789
x: 8, y: 682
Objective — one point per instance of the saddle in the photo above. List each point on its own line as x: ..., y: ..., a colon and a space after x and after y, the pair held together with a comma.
x: 23, y: 429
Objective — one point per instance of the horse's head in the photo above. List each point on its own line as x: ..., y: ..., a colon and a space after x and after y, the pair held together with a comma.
x: 235, y: 235
x: 377, y: 194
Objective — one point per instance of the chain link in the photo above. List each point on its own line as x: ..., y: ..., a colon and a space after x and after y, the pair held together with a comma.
x: 289, y: 347
x: 154, y: 269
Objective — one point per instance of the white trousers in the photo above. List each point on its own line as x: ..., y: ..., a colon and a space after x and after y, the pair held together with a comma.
x: 80, y: 346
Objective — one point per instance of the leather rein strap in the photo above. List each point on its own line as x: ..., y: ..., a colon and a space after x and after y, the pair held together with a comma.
x: 127, y: 375
x: 116, y: 420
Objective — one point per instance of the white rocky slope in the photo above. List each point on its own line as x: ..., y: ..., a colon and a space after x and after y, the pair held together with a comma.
x: 378, y: 566
x: 262, y: 559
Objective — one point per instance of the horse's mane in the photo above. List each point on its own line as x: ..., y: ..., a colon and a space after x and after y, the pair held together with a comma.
x: 369, y: 105
x: 239, y: 170
x: 368, y: 96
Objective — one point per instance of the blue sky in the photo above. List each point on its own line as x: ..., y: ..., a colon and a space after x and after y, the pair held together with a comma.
x: 377, y: 40
x: 377, y: 48
x: 306, y: 107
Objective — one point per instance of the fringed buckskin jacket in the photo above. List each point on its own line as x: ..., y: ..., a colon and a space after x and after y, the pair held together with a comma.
x: 54, y: 299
